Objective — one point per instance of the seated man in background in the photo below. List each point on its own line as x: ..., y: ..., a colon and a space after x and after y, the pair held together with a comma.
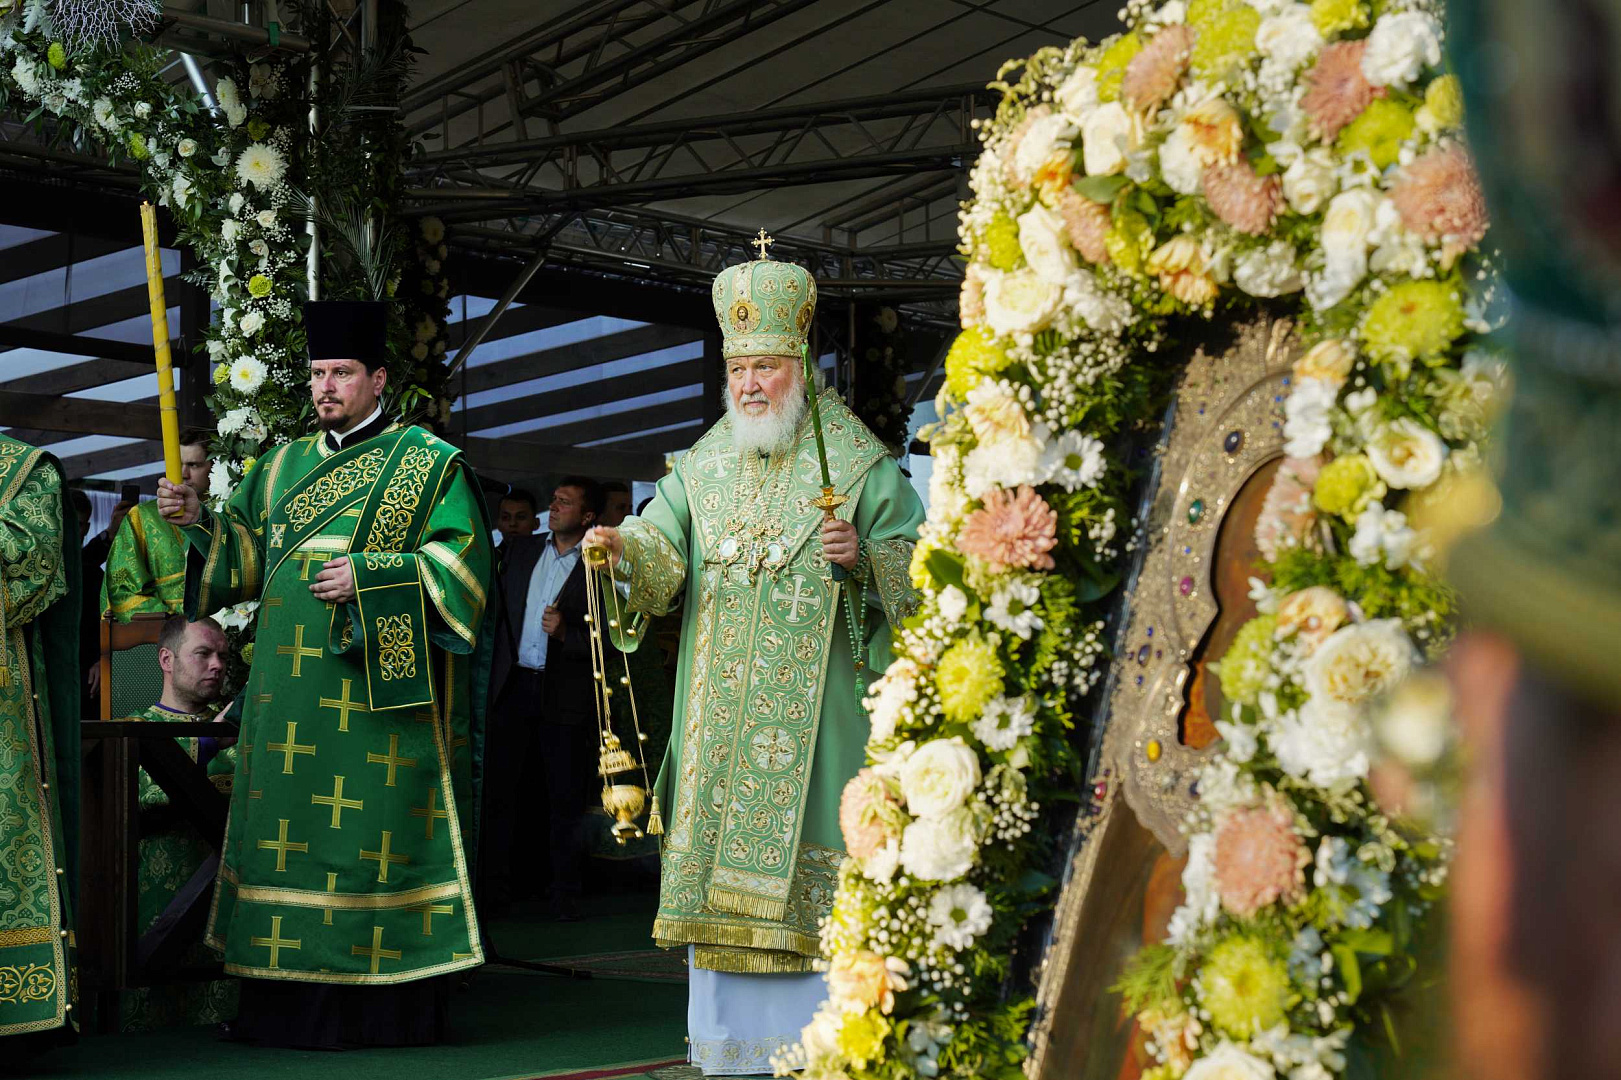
x: 193, y: 657
x: 146, y: 567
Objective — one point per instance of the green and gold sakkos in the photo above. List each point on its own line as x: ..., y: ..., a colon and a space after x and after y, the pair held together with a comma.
x: 346, y: 852
x: 39, y: 743
x: 768, y: 724
x: 146, y: 567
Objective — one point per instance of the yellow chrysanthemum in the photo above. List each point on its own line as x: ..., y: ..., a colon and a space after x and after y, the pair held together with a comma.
x: 1002, y: 242
x: 1244, y: 987
x: 259, y: 286
x: 1444, y: 100
x: 969, y: 675
x: 1336, y: 16
x: 1379, y: 132
x: 247, y: 465
x: 861, y: 1038
x: 56, y: 56
x: 137, y: 147
x: 1112, y: 65
x: 221, y: 373
x: 247, y: 653
x: 1244, y: 668
x: 1413, y: 321
x: 1346, y: 486
x: 1226, y: 39
x: 1129, y: 242
x: 972, y: 356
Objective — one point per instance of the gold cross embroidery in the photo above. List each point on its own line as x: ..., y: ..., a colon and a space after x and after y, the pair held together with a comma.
x: 278, y: 533
x: 275, y: 942
x: 429, y: 812
x: 344, y: 705
x: 289, y: 749
x: 428, y: 912
x: 338, y: 803
x: 305, y: 557
x: 376, y: 952
x: 391, y: 759
x: 281, y: 846
x: 384, y: 858
x: 297, y: 650
x: 331, y: 886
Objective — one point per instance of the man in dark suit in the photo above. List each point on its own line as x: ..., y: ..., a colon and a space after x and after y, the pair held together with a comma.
x: 543, y: 738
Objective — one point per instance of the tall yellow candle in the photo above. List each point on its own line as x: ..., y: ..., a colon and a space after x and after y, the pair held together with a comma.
x: 168, y: 413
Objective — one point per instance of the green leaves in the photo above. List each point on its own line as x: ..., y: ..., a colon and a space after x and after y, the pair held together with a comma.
x: 1101, y: 189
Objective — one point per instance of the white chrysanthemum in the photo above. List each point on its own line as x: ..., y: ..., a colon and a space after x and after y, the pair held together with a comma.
x: 1289, y: 38
x: 102, y: 111
x: 889, y: 699
x: 940, y: 849
x: 1004, y: 722
x: 959, y: 914
x: 219, y: 480
x: 1400, y: 47
x: 433, y: 230
x: 1006, y: 463
x: 1306, y: 411
x: 1383, y: 536
x: 1012, y: 608
x: 26, y: 75
x: 1269, y: 271
x: 1074, y: 460
x: 1178, y: 164
x: 1323, y: 743
x: 247, y: 374
x: 953, y: 604
x: 226, y: 93
x: 261, y: 165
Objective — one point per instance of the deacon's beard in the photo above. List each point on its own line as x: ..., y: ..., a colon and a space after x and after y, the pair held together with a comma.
x: 774, y: 432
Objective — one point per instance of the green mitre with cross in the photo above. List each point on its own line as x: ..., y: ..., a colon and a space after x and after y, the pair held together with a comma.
x: 764, y: 306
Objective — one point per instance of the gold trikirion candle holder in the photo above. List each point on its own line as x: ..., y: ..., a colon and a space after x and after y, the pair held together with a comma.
x: 625, y: 801
x: 829, y: 503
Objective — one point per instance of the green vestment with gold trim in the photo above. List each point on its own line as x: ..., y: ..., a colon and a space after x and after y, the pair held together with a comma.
x: 146, y: 566
x: 39, y: 742
x: 346, y: 854
x: 768, y: 724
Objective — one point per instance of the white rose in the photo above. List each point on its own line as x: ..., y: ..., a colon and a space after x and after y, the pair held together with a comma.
x: 1406, y: 454
x: 186, y: 147
x: 939, y: 777
x: 1269, y: 271
x: 102, y: 110
x: 230, y: 230
x: 1417, y: 723
x: 953, y: 603
x: 1006, y: 463
x: 1228, y: 1062
x: 1045, y: 136
x: 143, y: 109
x: 1309, y: 181
x: 1400, y: 47
x: 1358, y: 662
x: 940, y: 849
x: 1289, y: 38
x: 251, y: 323
x: 1108, y: 135
x: 1383, y: 536
x: 266, y: 219
x: 1347, y: 227
x: 1079, y: 94
x: 1045, y: 244
x: 236, y: 202
x: 1020, y: 303
x: 1178, y: 163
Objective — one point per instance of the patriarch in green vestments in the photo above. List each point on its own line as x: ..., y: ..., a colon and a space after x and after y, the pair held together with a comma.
x: 367, y: 547
x: 39, y: 746
x: 146, y: 566
x: 768, y: 722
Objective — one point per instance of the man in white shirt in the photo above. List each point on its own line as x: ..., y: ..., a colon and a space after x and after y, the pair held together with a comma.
x: 543, y: 720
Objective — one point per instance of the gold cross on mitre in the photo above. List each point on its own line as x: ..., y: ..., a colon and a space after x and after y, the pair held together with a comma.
x: 762, y: 242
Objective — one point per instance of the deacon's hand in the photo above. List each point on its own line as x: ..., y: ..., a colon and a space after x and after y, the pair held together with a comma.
x: 178, y: 503
x: 840, y: 543
x: 551, y: 622
x: 603, y: 536
x: 335, y: 584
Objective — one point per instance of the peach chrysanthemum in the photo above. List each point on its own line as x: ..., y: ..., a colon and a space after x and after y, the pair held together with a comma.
x: 1439, y: 198
x: 1247, y: 202
x: 1154, y: 74
x: 1012, y: 529
x: 1259, y: 860
x: 861, y: 817
x: 1215, y: 130
x: 1287, y: 515
x: 1338, y: 90
x: 1087, y: 224
x: 1183, y: 271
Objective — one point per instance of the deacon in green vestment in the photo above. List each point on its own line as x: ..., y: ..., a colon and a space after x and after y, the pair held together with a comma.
x: 368, y: 549
x: 769, y: 724
x: 146, y: 567
x: 39, y: 744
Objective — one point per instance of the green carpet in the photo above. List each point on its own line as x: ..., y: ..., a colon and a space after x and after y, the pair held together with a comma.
x: 508, y: 1024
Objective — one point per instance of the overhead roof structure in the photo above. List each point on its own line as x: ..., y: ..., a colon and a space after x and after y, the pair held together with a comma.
x: 630, y: 148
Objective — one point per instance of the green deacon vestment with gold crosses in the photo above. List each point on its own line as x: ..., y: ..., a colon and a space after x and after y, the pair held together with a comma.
x: 346, y: 853
x: 39, y: 743
x: 146, y: 566
x: 768, y: 726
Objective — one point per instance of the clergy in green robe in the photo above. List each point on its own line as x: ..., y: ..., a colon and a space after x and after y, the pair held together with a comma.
x: 39, y: 746
x: 769, y: 723
x: 367, y: 546
x: 146, y: 566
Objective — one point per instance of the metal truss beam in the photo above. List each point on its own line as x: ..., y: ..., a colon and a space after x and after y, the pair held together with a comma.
x: 900, y: 134
x: 580, y: 59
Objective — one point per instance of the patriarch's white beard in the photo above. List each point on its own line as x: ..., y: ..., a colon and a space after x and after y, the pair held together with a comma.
x: 773, y: 432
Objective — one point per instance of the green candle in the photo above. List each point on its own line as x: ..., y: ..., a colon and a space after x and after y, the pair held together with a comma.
x: 816, y: 416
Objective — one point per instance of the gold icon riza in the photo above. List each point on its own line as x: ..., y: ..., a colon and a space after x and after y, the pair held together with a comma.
x: 616, y: 765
